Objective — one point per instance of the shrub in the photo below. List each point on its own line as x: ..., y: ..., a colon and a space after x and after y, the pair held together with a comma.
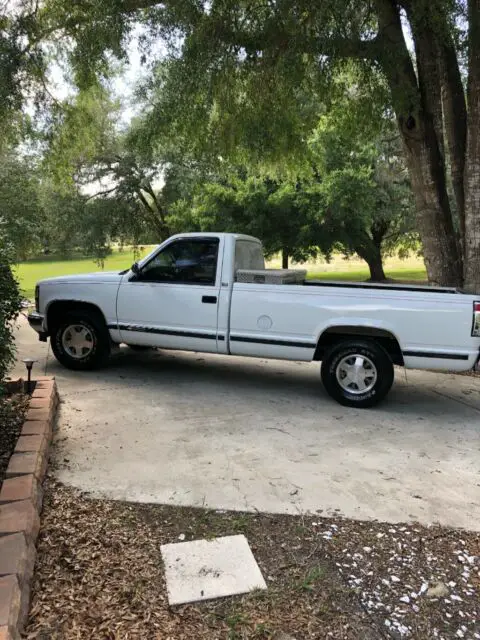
x: 10, y: 300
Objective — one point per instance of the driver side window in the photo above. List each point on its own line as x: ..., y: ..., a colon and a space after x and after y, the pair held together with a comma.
x: 188, y: 261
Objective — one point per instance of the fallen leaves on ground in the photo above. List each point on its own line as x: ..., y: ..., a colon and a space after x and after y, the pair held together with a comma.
x: 99, y: 575
x: 12, y: 412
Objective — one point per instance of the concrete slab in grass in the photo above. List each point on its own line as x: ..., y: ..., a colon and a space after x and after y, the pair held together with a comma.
x: 206, y: 569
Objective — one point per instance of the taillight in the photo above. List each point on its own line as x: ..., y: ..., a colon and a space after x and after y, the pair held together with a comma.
x: 37, y: 298
x: 476, y: 319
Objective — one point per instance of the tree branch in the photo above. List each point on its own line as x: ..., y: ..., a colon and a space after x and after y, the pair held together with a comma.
x: 145, y: 202
x: 149, y: 189
x: 352, y: 48
x: 101, y: 193
x: 159, y: 225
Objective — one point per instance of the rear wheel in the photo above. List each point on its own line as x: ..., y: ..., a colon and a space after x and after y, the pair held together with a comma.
x: 357, y: 373
x: 80, y: 340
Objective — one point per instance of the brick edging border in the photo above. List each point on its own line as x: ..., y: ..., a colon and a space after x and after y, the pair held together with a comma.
x: 20, y: 507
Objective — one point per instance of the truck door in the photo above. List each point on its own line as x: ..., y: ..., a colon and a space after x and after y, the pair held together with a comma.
x: 173, y: 301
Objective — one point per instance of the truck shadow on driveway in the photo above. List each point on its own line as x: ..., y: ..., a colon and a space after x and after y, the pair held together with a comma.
x: 268, y: 381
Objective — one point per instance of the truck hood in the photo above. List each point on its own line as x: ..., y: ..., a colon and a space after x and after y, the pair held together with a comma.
x: 90, y: 278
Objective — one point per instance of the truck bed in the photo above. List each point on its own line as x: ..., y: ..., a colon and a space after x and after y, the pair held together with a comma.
x: 286, y: 321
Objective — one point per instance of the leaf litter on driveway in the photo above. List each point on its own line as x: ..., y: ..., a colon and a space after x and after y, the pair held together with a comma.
x: 99, y: 574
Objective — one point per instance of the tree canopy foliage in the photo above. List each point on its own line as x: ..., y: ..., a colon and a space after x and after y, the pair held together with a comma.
x: 20, y: 213
x: 248, y: 79
x: 356, y: 199
x: 97, y: 183
x: 245, y: 83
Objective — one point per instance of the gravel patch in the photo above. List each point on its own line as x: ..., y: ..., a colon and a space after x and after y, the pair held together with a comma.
x: 420, y: 582
x: 99, y: 574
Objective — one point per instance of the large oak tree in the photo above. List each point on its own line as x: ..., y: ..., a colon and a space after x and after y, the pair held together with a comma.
x: 247, y: 78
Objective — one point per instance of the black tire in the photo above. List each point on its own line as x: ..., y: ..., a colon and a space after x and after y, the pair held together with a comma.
x: 96, y: 333
x: 376, y: 370
x: 139, y: 347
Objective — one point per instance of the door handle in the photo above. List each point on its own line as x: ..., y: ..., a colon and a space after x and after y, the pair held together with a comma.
x: 209, y: 299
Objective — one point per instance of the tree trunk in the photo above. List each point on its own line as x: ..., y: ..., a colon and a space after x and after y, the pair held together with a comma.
x: 156, y: 220
x: 428, y: 73
x: 472, y: 164
x: 455, y: 120
x: 375, y: 264
x: 434, y: 221
x: 431, y: 19
x: 413, y: 103
x: 285, y: 257
x: 443, y: 96
x: 372, y: 255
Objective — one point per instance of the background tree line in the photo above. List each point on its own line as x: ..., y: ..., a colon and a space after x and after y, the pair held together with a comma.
x: 93, y: 184
x: 248, y: 81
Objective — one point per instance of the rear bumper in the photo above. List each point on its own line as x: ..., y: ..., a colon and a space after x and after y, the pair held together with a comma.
x: 37, y: 321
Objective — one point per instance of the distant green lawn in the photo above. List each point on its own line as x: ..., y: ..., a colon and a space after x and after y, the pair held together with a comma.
x: 416, y: 275
x: 30, y: 272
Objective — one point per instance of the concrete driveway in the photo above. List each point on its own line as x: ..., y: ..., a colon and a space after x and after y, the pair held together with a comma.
x: 226, y: 433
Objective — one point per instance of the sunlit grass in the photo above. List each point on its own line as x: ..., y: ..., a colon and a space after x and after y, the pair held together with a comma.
x: 416, y: 275
x: 30, y: 272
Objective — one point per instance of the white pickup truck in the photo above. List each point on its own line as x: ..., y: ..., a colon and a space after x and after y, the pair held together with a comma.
x: 187, y: 295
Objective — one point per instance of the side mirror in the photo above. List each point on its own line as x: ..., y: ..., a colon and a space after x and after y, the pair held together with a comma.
x: 135, y: 269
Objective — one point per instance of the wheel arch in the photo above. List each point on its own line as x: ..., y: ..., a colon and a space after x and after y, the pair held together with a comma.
x: 58, y: 308
x: 342, y: 332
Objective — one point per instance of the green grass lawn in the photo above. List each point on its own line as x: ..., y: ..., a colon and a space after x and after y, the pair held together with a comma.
x: 415, y: 275
x: 30, y: 272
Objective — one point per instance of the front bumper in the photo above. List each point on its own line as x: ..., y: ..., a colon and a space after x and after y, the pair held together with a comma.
x: 37, y: 321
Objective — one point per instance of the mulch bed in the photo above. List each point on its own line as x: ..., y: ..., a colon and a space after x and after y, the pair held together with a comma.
x: 12, y: 411
x: 99, y: 575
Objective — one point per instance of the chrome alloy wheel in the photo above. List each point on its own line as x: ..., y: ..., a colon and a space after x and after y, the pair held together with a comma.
x: 77, y: 341
x: 356, y: 374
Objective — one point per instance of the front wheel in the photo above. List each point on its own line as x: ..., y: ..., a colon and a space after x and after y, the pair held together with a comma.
x: 357, y: 373
x: 80, y: 341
